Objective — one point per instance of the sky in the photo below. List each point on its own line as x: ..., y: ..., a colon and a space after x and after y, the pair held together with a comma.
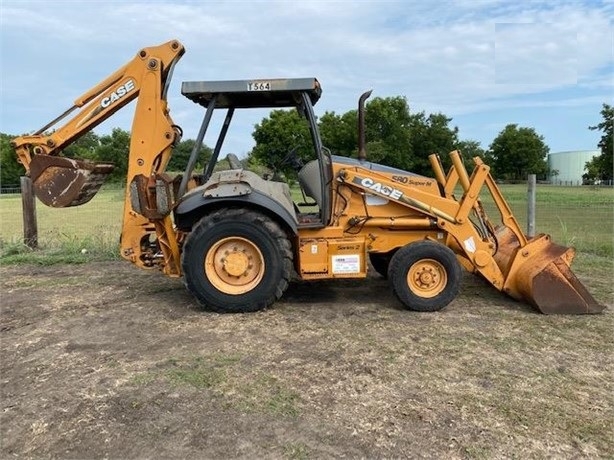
x: 548, y: 65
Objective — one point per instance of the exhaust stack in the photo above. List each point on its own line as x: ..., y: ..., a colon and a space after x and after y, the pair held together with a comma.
x: 362, y: 152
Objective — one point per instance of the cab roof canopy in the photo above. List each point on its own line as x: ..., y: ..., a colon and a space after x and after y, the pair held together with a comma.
x: 246, y: 94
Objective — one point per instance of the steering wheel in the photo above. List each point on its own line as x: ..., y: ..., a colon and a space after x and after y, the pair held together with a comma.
x: 292, y: 159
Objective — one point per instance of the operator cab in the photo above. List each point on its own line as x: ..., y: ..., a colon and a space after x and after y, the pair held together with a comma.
x: 312, y: 168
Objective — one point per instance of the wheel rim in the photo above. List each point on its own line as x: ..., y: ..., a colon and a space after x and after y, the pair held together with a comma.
x: 234, y: 265
x: 427, y: 278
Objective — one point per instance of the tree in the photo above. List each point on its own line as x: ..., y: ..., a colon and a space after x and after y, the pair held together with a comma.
x: 181, y: 155
x: 387, y: 131
x: 114, y: 148
x: 431, y: 134
x: 393, y: 135
x: 339, y: 132
x: 277, y: 135
x: 470, y: 149
x: 602, y: 166
x: 10, y: 168
x: 84, y: 147
x: 518, y: 152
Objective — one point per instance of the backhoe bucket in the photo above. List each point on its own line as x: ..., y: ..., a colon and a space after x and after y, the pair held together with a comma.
x: 539, y: 273
x: 60, y: 182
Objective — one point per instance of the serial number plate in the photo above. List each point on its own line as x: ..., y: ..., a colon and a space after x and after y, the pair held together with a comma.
x: 259, y: 86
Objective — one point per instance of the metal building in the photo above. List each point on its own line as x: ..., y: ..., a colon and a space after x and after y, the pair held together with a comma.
x: 569, y: 166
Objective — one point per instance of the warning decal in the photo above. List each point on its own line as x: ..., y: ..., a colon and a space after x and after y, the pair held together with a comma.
x: 347, y: 263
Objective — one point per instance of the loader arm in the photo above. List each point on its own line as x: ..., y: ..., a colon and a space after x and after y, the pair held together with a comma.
x: 451, y: 215
x: 534, y: 270
x: 60, y: 182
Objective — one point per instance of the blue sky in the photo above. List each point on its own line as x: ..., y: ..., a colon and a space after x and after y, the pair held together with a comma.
x: 485, y: 63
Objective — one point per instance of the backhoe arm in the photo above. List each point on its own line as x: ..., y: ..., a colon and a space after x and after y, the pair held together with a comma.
x: 101, y: 101
x: 61, y: 182
x: 148, y: 237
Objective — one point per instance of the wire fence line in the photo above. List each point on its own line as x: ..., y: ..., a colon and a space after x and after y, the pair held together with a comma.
x: 16, y: 189
x: 582, y: 217
x: 588, y: 228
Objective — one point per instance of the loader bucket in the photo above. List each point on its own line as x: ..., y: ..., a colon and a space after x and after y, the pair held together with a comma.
x: 540, y: 274
x: 61, y: 182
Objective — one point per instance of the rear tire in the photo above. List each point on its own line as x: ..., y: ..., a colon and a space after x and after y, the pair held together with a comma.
x: 236, y: 261
x: 425, y: 276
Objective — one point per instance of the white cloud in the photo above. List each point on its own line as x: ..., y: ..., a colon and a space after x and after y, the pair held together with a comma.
x: 441, y: 56
x: 535, y: 53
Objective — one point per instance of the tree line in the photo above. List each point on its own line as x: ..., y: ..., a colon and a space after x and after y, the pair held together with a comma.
x: 602, y: 166
x: 113, y: 148
x: 395, y: 137
x: 401, y: 139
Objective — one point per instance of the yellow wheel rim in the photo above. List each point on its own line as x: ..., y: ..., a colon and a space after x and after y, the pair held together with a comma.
x: 234, y: 265
x: 427, y: 278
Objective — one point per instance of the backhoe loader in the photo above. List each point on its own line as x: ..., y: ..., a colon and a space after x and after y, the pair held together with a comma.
x: 237, y: 238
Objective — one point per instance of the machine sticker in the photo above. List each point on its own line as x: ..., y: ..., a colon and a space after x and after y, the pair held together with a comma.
x: 314, y: 248
x: 469, y: 244
x: 349, y: 263
x: 375, y: 200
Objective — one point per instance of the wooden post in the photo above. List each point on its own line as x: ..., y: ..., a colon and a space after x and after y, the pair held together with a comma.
x: 531, y: 206
x: 28, y: 203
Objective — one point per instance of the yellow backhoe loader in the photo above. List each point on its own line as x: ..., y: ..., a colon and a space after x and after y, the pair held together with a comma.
x: 237, y: 239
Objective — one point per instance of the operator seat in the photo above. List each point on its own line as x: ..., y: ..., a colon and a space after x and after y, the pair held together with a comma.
x: 311, y: 181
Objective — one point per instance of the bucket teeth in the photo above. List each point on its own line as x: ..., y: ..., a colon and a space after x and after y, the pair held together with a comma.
x: 62, y: 182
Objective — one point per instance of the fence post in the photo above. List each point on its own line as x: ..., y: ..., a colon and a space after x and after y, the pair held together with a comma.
x: 28, y: 203
x: 531, y: 206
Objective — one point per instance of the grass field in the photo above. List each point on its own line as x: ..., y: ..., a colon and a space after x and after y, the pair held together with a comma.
x: 102, y: 360
x: 95, y: 225
x: 334, y: 369
x: 582, y: 217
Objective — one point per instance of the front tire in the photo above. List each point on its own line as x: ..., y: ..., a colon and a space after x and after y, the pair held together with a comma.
x: 236, y: 261
x: 425, y: 276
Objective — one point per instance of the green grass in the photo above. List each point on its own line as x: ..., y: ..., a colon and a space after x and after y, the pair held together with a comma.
x: 63, y: 233
x: 68, y: 250
x: 196, y: 375
x: 263, y: 393
x: 582, y: 217
x: 296, y: 451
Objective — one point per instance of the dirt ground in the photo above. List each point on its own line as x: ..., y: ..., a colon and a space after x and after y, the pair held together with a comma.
x: 103, y: 360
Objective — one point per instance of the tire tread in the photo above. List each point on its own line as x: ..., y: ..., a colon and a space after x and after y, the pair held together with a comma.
x: 281, y: 242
